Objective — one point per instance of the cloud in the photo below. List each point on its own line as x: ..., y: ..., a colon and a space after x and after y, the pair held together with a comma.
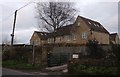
x: 119, y: 18
x: 104, y: 12
x: 23, y: 36
x: 112, y: 24
x: 26, y: 18
x: 25, y: 22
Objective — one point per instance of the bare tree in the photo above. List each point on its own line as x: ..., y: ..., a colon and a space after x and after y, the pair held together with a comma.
x: 54, y: 15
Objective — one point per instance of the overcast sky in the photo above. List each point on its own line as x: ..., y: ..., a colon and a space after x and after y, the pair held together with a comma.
x: 103, y: 11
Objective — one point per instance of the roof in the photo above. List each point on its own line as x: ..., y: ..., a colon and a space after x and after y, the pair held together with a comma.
x: 94, y: 25
x: 65, y: 30
x: 42, y: 35
x: 112, y: 36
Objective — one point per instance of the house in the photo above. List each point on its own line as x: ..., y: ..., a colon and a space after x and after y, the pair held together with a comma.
x: 82, y: 30
x: 114, y: 38
x: 38, y: 38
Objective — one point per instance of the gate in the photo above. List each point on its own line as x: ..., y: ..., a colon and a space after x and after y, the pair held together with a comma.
x: 56, y: 59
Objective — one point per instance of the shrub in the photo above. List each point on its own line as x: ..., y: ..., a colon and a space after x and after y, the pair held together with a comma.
x: 116, y: 51
x: 92, y: 70
x: 94, y: 49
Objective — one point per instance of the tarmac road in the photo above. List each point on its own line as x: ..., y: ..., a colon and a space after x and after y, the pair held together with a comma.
x: 6, y: 71
x: 57, y: 70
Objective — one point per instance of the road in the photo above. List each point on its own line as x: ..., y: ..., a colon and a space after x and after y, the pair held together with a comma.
x: 57, y: 70
x: 6, y: 71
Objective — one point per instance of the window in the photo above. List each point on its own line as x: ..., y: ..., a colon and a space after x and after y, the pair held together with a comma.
x: 41, y: 33
x: 84, y: 35
x: 48, y: 40
x: 95, y: 24
x: 74, y: 36
x: 45, y: 34
x: 68, y: 38
x: 36, y: 42
x: 60, y: 38
x: 89, y: 22
x: 78, y: 23
x: 52, y: 40
x: 98, y: 25
x: 65, y: 37
x: 34, y: 35
x: 57, y: 39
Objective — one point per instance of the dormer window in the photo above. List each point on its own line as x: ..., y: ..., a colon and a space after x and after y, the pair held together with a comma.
x: 95, y: 24
x: 34, y: 35
x: 41, y: 33
x: 98, y: 25
x: 89, y: 22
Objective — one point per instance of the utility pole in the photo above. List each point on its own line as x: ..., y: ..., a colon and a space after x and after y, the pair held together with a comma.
x: 33, y: 54
x: 12, y: 35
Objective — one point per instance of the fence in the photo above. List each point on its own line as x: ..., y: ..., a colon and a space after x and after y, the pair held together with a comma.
x: 56, y: 59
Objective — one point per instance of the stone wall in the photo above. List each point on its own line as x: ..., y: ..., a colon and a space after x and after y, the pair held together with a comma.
x: 68, y: 51
x: 41, y: 53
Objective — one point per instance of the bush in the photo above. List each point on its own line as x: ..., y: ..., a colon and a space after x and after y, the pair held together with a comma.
x: 94, y: 49
x: 116, y: 51
x: 92, y: 70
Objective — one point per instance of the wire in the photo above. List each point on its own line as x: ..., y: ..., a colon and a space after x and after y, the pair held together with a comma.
x: 25, y: 5
x: 17, y: 10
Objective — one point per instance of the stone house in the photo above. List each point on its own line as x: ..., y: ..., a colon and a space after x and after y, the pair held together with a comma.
x: 82, y: 30
x: 114, y: 38
x: 38, y: 38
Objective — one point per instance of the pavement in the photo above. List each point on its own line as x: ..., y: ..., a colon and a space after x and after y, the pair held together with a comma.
x: 57, y: 68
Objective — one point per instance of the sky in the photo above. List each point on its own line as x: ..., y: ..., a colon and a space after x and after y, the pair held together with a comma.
x: 103, y: 11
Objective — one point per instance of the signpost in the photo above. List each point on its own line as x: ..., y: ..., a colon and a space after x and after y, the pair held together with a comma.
x: 33, y: 54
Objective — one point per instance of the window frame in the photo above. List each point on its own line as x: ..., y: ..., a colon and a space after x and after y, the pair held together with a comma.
x: 84, y: 35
